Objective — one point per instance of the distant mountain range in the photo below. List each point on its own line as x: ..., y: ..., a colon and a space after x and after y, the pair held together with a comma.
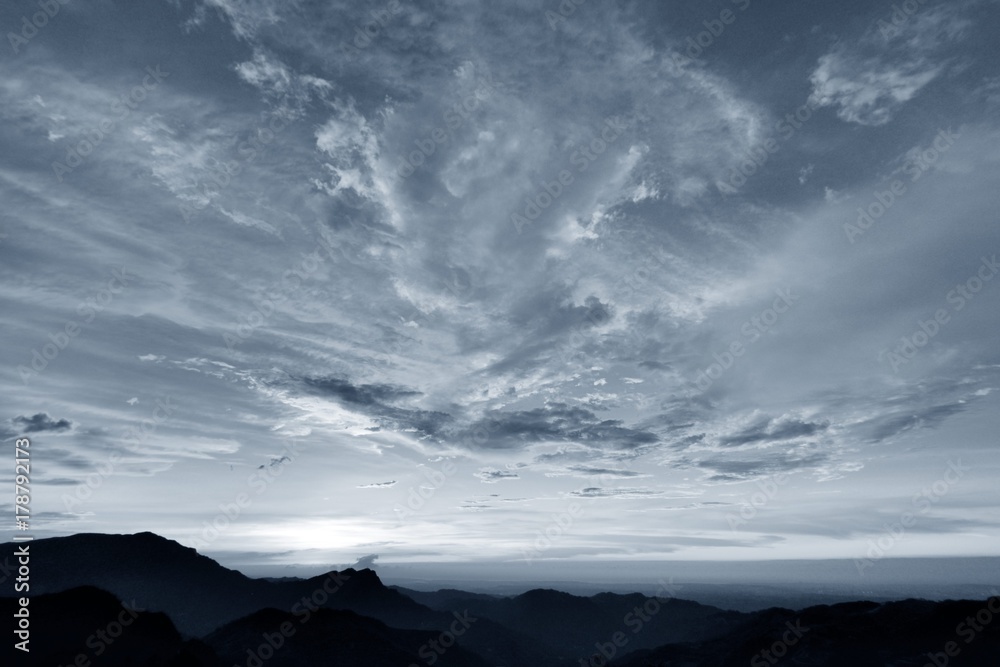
x: 146, y: 600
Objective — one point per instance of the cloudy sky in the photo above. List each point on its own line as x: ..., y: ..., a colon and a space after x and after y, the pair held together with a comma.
x: 432, y: 280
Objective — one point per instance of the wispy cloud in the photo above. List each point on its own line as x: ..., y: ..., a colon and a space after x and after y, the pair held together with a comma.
x: 335, y: 295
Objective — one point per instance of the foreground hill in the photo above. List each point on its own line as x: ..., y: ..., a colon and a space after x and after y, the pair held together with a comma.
x: 199, y: 595
x: 89, y: 626
x: 329, y: 637
x: 572, y: 625
x: 196, y: 592
x: 859, y: 634
x: 191, y: 611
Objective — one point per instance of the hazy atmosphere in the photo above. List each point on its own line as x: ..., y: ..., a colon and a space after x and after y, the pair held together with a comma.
x: 519, y: 283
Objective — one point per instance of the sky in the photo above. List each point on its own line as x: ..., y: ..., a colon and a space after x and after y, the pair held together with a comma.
x: 517, y: 282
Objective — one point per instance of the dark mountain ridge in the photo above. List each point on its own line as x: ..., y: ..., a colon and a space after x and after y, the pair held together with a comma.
x: 190, y: 610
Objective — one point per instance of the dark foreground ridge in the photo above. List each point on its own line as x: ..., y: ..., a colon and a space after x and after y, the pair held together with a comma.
x: 145, y: 600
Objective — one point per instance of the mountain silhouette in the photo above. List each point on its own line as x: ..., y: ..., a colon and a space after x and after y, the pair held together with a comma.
x: 199, y: 595
x: 196, y: 592
x: 329, y: 637
x: 859, y: 634
x: 572, y: 624
x: 185, y: 609
x: 95, y: 624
